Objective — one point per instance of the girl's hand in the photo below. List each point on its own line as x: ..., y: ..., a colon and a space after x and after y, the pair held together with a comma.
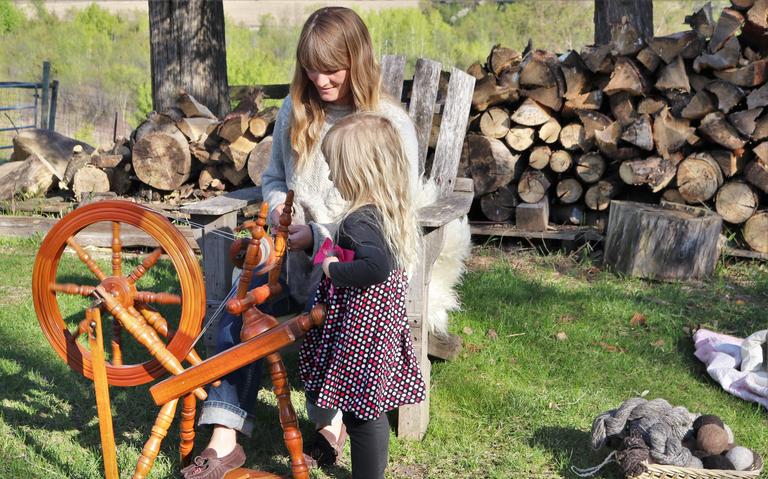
x: 327, y: 263
x: 299, y: 237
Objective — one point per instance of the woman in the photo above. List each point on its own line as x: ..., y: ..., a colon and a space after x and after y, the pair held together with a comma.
x: 336, y: 74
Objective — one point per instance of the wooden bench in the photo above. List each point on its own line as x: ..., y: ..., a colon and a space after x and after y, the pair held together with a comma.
x: 431, y: 92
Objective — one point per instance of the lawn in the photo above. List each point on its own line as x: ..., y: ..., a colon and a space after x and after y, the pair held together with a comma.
x: 549, y: 343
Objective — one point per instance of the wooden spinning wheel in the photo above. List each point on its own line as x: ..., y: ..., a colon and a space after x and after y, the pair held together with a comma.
x: 121, y: 294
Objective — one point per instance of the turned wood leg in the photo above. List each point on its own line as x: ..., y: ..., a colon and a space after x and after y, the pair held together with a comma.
x: 101, y: 386
x: 152, y: 446
x: 117, y: 343
x: 288, y: 421
x: 187, y: 428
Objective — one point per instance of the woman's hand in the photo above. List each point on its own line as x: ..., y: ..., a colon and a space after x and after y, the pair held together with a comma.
x: 299, y: 237
x: 274, y: 218
x: 327, y: 263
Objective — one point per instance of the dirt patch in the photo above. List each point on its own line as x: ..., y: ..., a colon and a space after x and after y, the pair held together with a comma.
x: 409, y: 471
x: 10, y: 295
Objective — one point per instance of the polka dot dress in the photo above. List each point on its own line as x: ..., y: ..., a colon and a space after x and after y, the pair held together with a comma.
x: 361, y: 359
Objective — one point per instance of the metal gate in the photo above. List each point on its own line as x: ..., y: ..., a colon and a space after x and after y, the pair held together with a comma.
x: 25, y: 105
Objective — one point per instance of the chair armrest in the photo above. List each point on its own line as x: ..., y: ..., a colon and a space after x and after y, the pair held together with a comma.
x: 448, y: 208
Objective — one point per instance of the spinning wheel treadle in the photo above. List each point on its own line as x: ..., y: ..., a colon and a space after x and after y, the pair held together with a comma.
x: 124, y: 296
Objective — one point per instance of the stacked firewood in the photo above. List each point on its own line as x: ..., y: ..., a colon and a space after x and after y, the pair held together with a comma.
x: 680, y: 118
x: 183, y: 153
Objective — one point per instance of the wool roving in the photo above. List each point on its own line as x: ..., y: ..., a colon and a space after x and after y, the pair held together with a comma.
x: 741, y: 457
x: 707, y: 419
x: 717, y: 461
x: 663, y: 428
x: 712, y: 439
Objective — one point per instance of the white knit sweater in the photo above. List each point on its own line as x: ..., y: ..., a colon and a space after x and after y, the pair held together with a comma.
x: 317, y: 202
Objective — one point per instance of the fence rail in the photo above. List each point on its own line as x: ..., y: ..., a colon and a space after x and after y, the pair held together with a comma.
x: 32, y: 103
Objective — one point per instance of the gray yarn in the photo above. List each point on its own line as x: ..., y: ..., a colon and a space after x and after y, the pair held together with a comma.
x: 662, y: 426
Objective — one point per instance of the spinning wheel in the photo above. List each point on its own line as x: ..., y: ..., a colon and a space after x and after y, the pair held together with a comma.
x: 121, y: 294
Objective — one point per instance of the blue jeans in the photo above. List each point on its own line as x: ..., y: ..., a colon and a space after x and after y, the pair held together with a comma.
x: 231, y: 404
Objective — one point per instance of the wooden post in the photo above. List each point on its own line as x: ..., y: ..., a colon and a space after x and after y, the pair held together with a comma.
x: 46, y: 92
x: 54, y: 100
x: 218, y: 215
x: 412, y: 420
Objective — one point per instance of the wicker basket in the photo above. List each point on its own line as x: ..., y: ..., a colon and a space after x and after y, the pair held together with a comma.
x: 660, y: 471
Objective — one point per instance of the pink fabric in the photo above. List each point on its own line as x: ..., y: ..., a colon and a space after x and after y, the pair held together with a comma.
x: 723, y: 356
x: 330, y: 249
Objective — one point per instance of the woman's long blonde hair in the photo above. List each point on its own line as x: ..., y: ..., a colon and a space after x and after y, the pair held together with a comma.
x: 332, y: 39
x: 368, y: 165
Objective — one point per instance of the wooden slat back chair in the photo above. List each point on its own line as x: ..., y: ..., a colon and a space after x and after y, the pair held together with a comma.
x: 423, y: 100
x: 452, y: 103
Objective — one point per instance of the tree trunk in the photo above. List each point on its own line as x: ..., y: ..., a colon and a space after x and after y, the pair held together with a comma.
x: 533, y: 186
x: 736, y: 202
x: 560, y: 161
x: 258, y: 159
x: 89, y: 179
x: 608, y: 12
x: 539, y: 157
x: 188, y: 52
x: 590, y: 167
x: 598, y: 196
x: 491, y: 164
x: 500, y: 205
x: 161, y: 156
x: 756, y: 232
x: 569, y: 190
x: 698, y: 177
x: 685, y: 241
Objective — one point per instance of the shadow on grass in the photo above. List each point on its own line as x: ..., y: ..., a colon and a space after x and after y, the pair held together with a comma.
x: 557, y: 440
x: 47, y: 395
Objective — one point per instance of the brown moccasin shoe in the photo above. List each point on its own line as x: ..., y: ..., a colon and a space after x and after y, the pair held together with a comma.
x: 326, y: 449
x: 208, y: 466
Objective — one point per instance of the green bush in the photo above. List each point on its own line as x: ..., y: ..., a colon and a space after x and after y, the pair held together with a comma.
x: 11, y: 18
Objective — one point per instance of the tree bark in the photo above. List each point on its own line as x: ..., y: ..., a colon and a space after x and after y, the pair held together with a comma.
x: 608, y: 12
x: 685, y: 241
x: 188, y: 52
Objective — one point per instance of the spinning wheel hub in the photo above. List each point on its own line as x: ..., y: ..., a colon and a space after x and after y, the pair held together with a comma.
x: 121, y: 289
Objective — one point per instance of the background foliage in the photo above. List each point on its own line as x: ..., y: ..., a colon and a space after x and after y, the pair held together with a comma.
x: 102, y: 59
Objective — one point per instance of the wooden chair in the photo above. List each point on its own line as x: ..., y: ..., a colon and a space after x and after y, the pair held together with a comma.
x: 431, y: 95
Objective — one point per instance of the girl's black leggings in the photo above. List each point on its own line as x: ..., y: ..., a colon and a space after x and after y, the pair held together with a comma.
x: 369, y: 444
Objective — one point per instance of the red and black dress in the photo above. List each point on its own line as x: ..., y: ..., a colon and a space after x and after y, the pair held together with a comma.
x: 361, y: 359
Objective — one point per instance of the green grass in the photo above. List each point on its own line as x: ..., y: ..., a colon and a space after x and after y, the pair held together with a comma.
x: 518, y: 402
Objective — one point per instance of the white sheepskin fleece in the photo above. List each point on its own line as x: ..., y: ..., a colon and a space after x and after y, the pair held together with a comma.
x: 449, y: 266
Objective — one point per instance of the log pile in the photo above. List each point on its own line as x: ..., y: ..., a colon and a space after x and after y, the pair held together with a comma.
x: 681, y: 118
x: 185, y: 153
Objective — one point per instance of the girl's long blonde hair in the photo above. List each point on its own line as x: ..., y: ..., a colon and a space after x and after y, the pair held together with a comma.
x: 368, y: 165
x: 332, y: 39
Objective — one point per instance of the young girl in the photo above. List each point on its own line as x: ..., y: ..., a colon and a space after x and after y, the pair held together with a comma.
x: 361, y: 360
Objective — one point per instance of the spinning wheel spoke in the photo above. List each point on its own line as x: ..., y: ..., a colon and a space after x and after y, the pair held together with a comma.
x: 117, y: 248
x: 86, y: 258
x: 159, y: 298
x: 154, y: 319
x: 117, y: 343
x: 147, y: 263
x: 157, y: 321
x: 74, y: 289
